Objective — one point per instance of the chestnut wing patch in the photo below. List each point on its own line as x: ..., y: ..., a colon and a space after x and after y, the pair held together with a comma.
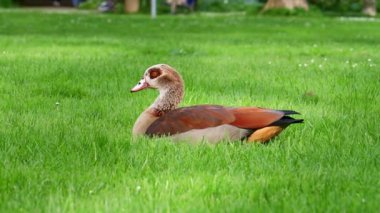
x: 188, y: 118
x: 253, y: 117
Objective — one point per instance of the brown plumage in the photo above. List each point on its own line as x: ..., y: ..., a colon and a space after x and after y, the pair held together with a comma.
x: 211, y: 123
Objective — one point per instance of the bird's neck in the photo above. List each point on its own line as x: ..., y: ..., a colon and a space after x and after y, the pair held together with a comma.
x: 168, y: 99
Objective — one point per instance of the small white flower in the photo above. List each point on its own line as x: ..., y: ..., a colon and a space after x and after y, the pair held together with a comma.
x: 299, y: 65
x: 305, y: 65
x: 354, y: 65
x: 57, y: 103
x: 369, y: 60
x: 320, y: 66
x: 138, y: 188
x: 312, y: 61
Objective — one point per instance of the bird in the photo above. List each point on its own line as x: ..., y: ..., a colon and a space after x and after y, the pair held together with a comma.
x: 202, y: 123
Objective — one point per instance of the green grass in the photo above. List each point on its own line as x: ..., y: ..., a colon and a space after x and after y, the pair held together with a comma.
x: 66, y: 113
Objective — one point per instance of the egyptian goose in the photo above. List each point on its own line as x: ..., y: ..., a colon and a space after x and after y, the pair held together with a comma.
x: 211, y: 123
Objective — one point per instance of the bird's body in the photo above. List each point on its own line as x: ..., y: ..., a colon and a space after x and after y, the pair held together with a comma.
x: 211, y: 123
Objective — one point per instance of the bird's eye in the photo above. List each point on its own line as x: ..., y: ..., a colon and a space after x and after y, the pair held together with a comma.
x: 154, y: 73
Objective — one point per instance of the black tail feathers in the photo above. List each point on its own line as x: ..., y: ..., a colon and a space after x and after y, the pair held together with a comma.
x: 286, y: 120
x: 289, y: 112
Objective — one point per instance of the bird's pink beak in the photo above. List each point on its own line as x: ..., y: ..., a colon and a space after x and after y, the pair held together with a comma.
x: 140, y: 86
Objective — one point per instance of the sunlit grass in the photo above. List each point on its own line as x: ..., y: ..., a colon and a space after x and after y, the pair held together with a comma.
x: 66, y: 113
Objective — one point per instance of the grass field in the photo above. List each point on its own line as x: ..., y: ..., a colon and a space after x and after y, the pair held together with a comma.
x: 66, y: 113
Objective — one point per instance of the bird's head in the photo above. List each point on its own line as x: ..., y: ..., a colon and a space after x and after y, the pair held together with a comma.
x: 159, y: 76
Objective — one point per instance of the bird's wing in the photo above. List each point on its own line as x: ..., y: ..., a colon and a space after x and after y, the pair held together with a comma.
x: 205, y: 116
x: 254, y: 117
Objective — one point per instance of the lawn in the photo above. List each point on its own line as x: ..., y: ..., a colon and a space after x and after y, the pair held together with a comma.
x: 66, y: 113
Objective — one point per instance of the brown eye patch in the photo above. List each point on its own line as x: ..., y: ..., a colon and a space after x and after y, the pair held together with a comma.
x: 154, y: 73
